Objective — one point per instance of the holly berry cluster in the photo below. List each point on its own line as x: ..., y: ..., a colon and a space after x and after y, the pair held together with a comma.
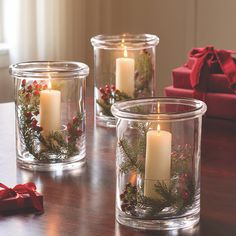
x: 74, y: 132
x: 185, y: 187
x: 129, y: 198
x: 108, y: 92
x: 54, y: 142
x: 32, y: 122
x: 32, y: 89
x: 29, y: 97
x: 109, y: 95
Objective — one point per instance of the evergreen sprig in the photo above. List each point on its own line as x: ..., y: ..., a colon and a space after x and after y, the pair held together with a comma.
x: 178, y: 193
x: 108, y: 96
x: 144, y: 73
x: 134, y: 152
x: 169, y: 196
x: 131, y: 157
x: 61, y: 144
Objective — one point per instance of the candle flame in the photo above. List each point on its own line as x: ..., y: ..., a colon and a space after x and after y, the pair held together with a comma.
x: 122, y: 42
x: 158, y: 128
x: 158, y: 107
x: 125, y: 52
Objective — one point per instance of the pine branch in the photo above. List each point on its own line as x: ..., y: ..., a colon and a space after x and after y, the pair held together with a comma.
x: 134, y: 153
x: 106, y: 108
x: 108, y: 96
x: 166, y: 192
x: 130, y: 162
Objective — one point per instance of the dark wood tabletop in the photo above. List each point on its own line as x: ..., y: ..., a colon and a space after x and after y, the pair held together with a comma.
x: 82, y: 201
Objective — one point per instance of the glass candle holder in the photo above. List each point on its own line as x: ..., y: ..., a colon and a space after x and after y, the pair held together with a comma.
x: 158, y: 162
x: 50, y: 114
x: 124, y: 68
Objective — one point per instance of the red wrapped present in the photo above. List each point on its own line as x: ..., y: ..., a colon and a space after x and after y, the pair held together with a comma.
x: 219, y: 105
x: 208, y: 70
x: 216, y: 83
x: 21, y: 197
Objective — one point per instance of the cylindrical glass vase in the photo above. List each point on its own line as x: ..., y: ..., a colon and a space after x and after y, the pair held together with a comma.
x: 158, y: 162
x: 124, y: 68
x: 50, y: 114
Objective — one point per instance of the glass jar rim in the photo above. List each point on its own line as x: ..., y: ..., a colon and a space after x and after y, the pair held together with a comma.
x: 198, y: 108
x: 131, y: 41
x: 44, y: 69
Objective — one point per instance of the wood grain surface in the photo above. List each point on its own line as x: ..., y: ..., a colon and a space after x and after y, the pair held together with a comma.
x: 82, y: 202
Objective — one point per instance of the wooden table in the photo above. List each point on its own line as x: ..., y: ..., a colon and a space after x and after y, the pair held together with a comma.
x: 82, y: 202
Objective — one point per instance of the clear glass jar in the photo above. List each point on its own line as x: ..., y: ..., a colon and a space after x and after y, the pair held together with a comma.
x: 124, y: 68
x: 158, y: 162
x: 50, y: 114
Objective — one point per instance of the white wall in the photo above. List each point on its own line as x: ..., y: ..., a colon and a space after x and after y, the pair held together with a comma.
x: 169, y: 20
x: 6, y: 83
x: 215, y: 23
x: 180, y: 24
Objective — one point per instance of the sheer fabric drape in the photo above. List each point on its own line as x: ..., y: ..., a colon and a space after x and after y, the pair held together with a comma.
x: 45, y: 29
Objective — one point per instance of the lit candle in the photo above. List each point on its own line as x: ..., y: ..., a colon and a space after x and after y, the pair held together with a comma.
x: 158, y: 160
x: 125, y: 74
x: 50, y: 109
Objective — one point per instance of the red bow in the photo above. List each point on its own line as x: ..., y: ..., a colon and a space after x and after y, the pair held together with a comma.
x: 205, y: 58
x: 28, y: 188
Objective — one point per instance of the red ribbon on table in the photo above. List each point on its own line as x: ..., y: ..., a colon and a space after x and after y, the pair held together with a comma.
x: 28, y: 188
x: 205, y: 58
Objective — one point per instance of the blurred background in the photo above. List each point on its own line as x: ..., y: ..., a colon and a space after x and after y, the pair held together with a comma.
x: 61, y: 30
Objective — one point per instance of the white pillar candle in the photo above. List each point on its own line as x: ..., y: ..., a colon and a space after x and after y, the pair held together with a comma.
x: 158, y: 160
x: 50, y: 109
x: 125, y: 74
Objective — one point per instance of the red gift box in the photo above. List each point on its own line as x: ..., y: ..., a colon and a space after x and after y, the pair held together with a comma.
x: 219, y: 105
x: 21, y: 197
x: 207, y: 70
x: 216, y: 83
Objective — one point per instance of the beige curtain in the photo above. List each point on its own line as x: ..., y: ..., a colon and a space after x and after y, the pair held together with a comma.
x: 45, y: 29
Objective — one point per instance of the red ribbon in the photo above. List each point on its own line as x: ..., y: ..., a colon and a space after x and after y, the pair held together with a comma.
x: 205, y: 58
x: 28, y: 188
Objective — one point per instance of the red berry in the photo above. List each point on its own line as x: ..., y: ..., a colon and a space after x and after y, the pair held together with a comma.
x: 69, y: 126
x: 108, y: 91
x: 36, y: 92
x: 38, y: 128
x: 75, y: 120
x: 185, y: 195
x: 79, y: 132
x: 35, y: 83
x: 107, y: 86
x: 38, y: 86
x: 29, y: 88
x: 23, y: 83
x: 113, y: 87
x: 102, y: 90
x: 34, y: 123
x: 28, y: 95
